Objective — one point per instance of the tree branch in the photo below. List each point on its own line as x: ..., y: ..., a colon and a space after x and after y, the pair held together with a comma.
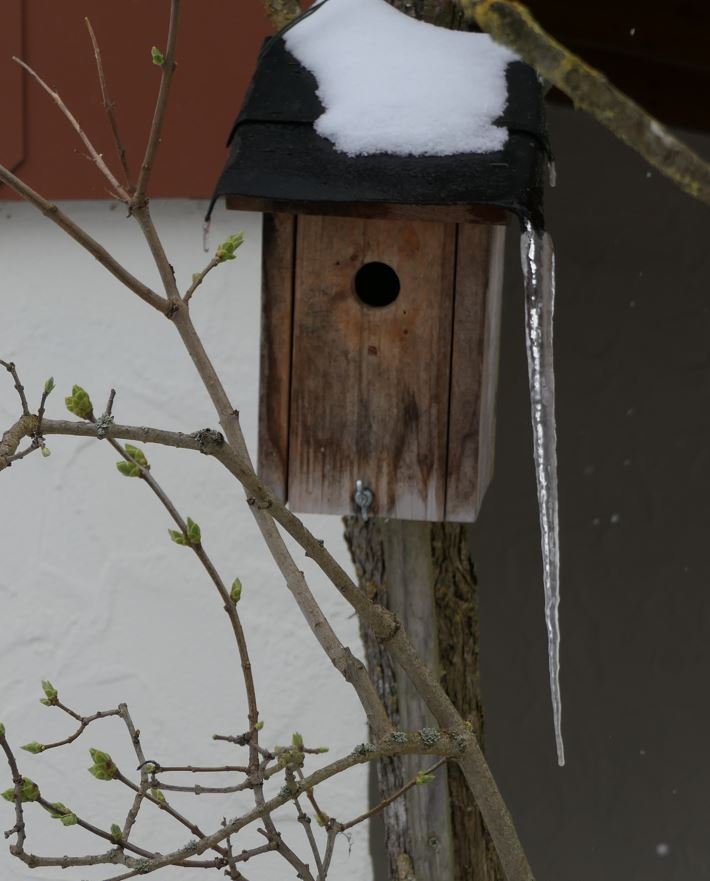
x: 512, y: 25
x: 109, y: 106
x: 281, y: 12
x: 71, y: 119
x: 167, y: 70
x: 74, y: 231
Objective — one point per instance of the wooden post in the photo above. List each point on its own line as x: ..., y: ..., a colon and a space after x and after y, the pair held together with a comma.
x: 424, y: 573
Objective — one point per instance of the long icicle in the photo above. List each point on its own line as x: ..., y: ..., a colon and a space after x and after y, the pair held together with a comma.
x: 538, y: 261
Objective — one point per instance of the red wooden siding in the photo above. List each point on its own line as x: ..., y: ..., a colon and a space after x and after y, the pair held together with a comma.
x: 217, y: 48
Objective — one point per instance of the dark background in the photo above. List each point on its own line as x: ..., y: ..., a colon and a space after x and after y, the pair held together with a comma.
x: 633, y: 394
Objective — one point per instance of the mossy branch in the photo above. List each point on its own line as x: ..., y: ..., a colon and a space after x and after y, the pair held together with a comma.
x: 511, y: 24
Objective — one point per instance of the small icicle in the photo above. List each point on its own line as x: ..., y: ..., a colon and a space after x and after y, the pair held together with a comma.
x: 538, y: 261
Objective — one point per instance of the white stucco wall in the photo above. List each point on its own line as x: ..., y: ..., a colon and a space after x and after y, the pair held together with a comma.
x: 94, y: 596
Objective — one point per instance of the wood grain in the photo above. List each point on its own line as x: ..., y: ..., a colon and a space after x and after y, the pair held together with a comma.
x: 275, y: 365
x: 474, y: 368
x: 369, y: 391
x: 452, y: 213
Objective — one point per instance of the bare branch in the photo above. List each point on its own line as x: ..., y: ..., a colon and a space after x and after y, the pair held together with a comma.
x: 109, y: 106
x: 305, y: 821
x: 343, y: 827
x: 12, y: 370
x: 19, y: 827
x: 93, y: 152
x: 199, y: 277
x: 166, y: 76
x: 84, y: 723
x: 50, y: 210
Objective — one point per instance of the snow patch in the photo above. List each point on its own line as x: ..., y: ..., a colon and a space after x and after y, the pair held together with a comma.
x: 391, y: 84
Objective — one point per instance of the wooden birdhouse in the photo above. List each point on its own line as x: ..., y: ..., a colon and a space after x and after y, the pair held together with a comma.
x: 381, y: 299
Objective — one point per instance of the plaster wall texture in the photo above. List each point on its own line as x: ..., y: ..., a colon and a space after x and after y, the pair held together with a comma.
x: 93, y: 594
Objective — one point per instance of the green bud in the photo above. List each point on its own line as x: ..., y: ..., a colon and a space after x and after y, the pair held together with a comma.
x: 2, y: 730
x: 79, y: 403
x: 137, y: 455
x: 45, y: 451
x: 116, y: 833
x: 49, y: 386
x: 227, y: 250
x: 177, y: 536
x: 235, y: 593
x: 297, y: 740
x: 34, y: 747
x: 157, y: 56
x: 323, y: 749
x: 103, y: 767
x: 50, y: 693
x: 28, y: 792
x: 194, y: 535
x: 422, y: 777
x: 61, y: 812
x: 259, y: 725
x: 128, y: 469
x: 158, y: 795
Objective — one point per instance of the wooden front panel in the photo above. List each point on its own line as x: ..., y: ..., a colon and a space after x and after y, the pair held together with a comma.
x: 370, y: 386
x: 275, y: 366
x: 474, y: 372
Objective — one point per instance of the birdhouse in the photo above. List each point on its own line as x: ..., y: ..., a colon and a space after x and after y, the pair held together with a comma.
x: 381, y: 299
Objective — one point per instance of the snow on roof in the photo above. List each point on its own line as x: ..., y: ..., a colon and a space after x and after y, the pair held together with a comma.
x: 391, y: 84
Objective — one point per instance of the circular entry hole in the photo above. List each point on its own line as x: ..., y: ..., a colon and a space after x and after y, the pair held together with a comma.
x: 376, y: 284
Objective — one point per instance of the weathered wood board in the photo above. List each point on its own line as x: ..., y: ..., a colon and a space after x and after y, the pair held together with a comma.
x: 474, y: 368
x: 275, y: 365
x: 370, y: 386
x: 400, y: 396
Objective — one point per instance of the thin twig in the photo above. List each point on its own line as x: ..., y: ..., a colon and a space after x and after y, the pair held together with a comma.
x: 199, y: 277
x: 50, y: 210
x: 19, y: 827
x: 84, y: 723
x: 12, y: 370
x: 305, y: 821
x: 69, y: 116
x: 343, y: 827
x: 109, y: 106
x: 217, y: 769
x: 166, y: 76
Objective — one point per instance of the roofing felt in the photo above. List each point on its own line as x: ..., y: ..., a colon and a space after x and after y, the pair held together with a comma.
x: 276, y: 154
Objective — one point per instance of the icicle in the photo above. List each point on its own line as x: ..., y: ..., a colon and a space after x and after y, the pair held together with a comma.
x: 538, y: 261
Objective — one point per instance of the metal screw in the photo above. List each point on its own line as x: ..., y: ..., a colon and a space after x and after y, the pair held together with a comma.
x: 363, y: 498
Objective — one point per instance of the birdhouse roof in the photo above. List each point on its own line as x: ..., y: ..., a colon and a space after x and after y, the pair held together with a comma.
x: 278, y: 162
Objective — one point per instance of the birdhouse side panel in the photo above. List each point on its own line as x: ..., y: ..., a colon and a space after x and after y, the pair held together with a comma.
x: 370, y: 381
x: 276, y: 338
x: 474, y: 368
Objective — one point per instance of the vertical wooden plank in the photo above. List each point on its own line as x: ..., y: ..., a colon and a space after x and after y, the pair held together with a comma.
x: 370, y: 385
x: 275, y: 365
x: 474, y: 368
x: 410, y: 580
x: 11, y: 86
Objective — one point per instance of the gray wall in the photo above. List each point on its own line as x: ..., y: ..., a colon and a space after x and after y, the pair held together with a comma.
x: 633, y: 387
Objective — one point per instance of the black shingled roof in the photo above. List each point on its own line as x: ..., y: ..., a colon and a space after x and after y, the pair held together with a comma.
x: 276, y: 155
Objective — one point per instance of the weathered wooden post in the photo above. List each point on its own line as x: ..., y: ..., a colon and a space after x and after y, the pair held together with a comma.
x: 380, y: 304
